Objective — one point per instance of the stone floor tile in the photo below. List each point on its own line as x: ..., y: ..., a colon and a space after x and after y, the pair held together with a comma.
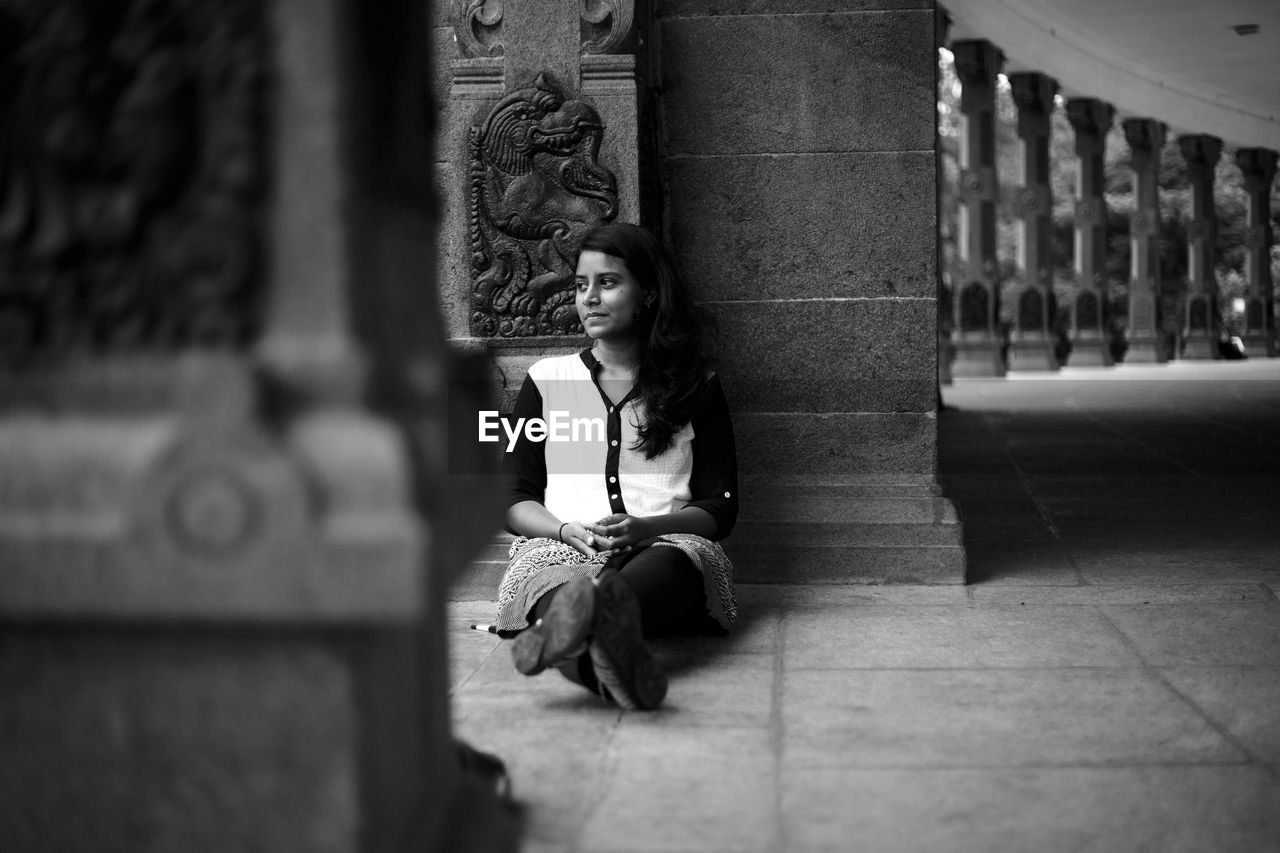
x: 983, y: 718
x: 727, y: 690
x: 468, y: 651
x: 1202, y: 634
x: 997, y: 562
x: 557, y: 758
x: 1155, y: 563
x: 755, y: 633
x: 1244, y: 700
x: 925, y: 637
x: 792, y: 596
x: 694, y: 789
x: 1008, y: 594
x: 1044, y: 809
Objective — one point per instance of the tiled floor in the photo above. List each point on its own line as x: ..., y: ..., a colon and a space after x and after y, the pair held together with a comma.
x: 1109, y: 681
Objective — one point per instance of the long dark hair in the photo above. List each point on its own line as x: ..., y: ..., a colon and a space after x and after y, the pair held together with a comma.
x: 677, y: 335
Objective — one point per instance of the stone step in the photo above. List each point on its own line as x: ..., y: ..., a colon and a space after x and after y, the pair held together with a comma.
x: 844, y: 534
x: 939, y: 564
x: 753, y: 490
x: 878, y: 550
x: 837, y: 508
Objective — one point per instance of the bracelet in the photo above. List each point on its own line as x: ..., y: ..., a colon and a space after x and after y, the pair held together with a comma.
x: 560, y: 532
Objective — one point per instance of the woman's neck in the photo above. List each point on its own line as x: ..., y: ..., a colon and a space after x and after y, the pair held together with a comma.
x: 618, y: 357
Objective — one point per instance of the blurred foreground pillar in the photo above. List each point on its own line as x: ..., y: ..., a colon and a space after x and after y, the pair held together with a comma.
x: 227, y: 523
x: 976, y: 299
x: 1146, y: 343
x: 1203, y: 316
x: 1259, y: 168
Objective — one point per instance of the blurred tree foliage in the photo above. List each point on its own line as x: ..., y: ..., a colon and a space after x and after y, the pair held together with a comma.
x: 1175, y: 202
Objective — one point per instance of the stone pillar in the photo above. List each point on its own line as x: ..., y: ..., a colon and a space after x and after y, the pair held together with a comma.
x: 1258, y: 165
x: 514, y: 217
x: 1146, y: 138
x: 1203, y: 321
x: 1031, y: 345
x: 1090, y: 336
x: 821, y: 127
x: 221, y: 574
x: 946, y: 350
x: 976, y: 298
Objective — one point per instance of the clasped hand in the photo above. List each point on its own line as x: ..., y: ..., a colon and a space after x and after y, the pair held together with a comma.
x: 615, y: 532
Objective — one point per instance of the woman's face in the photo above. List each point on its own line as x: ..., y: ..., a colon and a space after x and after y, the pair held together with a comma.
x: 608, y: 296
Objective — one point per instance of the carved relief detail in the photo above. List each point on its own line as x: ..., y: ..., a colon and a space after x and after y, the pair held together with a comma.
x: 132, y: 166
x: 537, y: 186
x: 599, y: 36
x: 477, y: 25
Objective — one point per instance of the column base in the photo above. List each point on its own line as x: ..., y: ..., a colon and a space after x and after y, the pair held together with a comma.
x: 1260, y: 346
x: 1090, y: 352
x: 1032, y: 353
x: 978, y: 359
x: 1201, y: 348
x: 1147, y: 350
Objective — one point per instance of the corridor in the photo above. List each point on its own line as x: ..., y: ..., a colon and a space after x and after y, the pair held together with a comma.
x: 1109, y: 680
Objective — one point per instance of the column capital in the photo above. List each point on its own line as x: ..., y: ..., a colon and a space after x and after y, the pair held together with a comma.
x: 1258, y: 165
x: 1145, y: 135
x: 1033, y: 93
x: 978, y: 61
x: 1091, y: 119
x: 1201, y: 152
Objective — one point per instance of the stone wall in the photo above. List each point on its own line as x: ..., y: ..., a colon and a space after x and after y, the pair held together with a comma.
x: 799, y: 166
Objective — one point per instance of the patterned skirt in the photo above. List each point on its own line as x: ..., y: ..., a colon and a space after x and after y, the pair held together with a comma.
x: 538, y: 565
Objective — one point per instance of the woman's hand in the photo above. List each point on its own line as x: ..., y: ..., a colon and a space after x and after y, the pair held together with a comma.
x: 618, y: 531
x: 577, y: 534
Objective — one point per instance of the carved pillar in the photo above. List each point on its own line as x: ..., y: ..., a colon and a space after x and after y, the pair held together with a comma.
x: 946, y: 350
x: 1031, y: 345
x: 1090, y: 335
x: 520, y: 202
x: 1202, y: 320
x: 219, y: 568
x: 976, y: 296
x: 1259, y: 168
x: 1146, y: 138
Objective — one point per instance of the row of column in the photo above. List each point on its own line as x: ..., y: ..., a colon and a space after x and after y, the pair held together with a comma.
x: 975, y: 304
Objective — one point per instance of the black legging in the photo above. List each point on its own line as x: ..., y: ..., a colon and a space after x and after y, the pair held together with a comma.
x: 667, y: 584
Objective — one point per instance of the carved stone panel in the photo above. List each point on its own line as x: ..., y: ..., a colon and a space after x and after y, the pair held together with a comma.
x: 132, y: 173
x: 1255, y: 315
x: 1088, y: 311
x: 537, y: 186
x: 606, y: 24
x: 1198, y: 314
x: 1031, y: 311
x: 975, y: 308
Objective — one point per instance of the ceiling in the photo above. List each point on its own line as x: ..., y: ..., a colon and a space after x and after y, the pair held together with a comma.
x: 1179, y: 61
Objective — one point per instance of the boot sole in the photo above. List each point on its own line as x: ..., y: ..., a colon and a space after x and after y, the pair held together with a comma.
x: 561, y: 634
x: 623, y: 663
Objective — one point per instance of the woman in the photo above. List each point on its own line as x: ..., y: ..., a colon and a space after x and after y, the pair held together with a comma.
x: 616, y: 527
